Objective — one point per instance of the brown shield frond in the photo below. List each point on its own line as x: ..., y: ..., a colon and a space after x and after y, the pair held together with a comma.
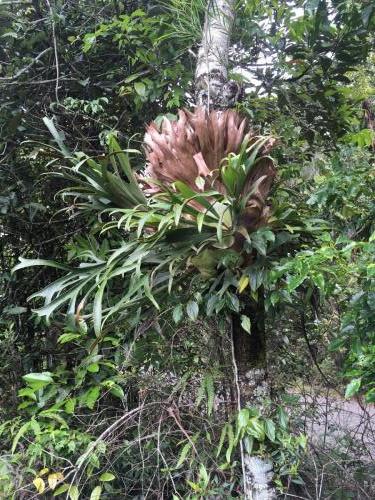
x: 193, y: 146
x: 196, y: 144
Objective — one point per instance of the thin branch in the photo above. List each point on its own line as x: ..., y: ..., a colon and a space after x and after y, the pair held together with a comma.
x: 311, y: 351
x: 40, y: 82
x: 20, y: 2
x: 171, y: 413
x: 55, y: 50
x: 26, y: 68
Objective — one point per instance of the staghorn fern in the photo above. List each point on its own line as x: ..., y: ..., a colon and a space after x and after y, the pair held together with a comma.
x: 204, y: 220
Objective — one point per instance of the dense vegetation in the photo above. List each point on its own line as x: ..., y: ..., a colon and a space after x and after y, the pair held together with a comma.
x: 118, y: 384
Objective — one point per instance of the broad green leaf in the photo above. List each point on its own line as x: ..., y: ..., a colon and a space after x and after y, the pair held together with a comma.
x: 192, y: 310
x: 73, y: 492
x: 249, y: 443
x: 117, y: 391
x: 91, y: 396
x: 27, y: 392
x: 243, y: 418
x: 61, y: 489
x: 211, y: 304
x: 270, y: 429
x: 295, y: 282
x: 283, y: 418
x: 184, y: 453
x: 319, y: 281
x: 177, y: 313
x: 259, y: 243
x: 68, y: 337
x: 233, y: 302
x: 70, y: 406
x: 255, y: 428
x: 203, y: 475
x: 96, y: 493
x: 132, y: 77
x: 140, y: 88
x: 21, y: 432
x: 58, y: 136
x: 34, y: 426
x: 93, y: 367
x: 246, y: 323
x: 38, y: 380
x: 353, y: 387
x: 107, y: 476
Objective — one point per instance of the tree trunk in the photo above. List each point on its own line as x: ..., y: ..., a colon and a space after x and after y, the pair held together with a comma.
x: 250, y: 358
x: 214, y: 90
x: 212, y: 87
x: 250, y: 352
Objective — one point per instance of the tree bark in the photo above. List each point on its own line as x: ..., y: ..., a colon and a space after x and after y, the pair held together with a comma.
x: 250, y: 352
x: 214, y: 90
x: 250, y: 358
x: 212, y: 87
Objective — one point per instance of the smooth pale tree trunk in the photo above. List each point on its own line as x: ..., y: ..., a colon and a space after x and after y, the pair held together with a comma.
x: 214, y: 90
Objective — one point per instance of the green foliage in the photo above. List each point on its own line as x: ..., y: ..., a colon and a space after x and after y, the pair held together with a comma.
x: 137, y: 273
x: 315, y: 48
x: 265, y: 436
x: 167, y: 235
x: 356, y: 336
x: 141, y: 43
x: 188, y: 18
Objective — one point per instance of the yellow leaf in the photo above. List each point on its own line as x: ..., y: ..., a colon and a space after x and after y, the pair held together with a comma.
x: 243, y: 282
x: 44, y: 471
x: 55, y: 478
x: 39, y: 484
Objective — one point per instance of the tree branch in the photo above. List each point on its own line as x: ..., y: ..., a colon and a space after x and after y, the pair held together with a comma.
x: 26, y: 68
x: 55, y: 50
